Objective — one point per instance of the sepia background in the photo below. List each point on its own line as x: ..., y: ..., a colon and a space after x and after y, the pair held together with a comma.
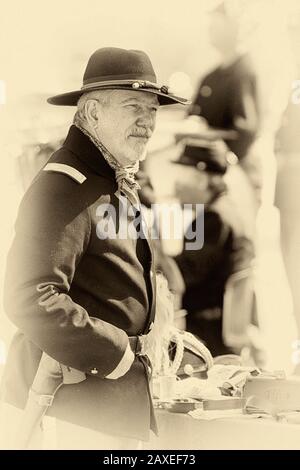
x: 44, y: 47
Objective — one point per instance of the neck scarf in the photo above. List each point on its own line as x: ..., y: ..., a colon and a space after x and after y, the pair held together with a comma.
x: 125, y: 175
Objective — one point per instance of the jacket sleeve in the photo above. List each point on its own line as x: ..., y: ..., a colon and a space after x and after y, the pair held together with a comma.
x: 52, y: 234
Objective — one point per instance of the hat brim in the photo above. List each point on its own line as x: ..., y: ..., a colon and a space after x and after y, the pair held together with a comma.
x: 179, y: 162
x: 71, y: 98
x: 190, y: 163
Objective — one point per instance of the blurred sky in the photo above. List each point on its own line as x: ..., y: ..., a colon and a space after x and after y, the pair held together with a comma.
x: 44, y: 45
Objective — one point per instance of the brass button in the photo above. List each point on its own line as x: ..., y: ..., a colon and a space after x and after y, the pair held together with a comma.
x: 206, y: 91
x: 94, y: 371
x: 201, y: 166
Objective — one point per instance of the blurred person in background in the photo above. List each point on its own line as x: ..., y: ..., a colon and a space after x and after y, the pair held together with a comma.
x: 288, y: 202
x: 227, y: 248
x: 263, y: 34
x: 267, y: 36
x: 225, y: 105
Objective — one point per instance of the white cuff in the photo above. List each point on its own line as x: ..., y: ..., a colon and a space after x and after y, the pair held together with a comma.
x: 123, y: 366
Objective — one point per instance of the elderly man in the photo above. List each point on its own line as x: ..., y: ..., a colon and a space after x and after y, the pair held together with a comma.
x: 82, y: 297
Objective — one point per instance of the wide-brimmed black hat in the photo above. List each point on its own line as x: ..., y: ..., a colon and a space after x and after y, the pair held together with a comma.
x: 113, y: 68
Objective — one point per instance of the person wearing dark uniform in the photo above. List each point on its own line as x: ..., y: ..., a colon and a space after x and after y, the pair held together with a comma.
x: 227, y: 97
x: 75, y: 290
x: 221, y: 98
x: 226, y: 247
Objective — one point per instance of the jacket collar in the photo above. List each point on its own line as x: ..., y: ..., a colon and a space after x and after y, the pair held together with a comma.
x: 79, y: 144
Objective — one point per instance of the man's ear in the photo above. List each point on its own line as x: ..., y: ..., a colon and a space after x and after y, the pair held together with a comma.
x: 91, y: 112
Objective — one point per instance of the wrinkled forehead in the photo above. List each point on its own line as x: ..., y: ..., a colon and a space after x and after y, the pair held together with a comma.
x: 142, y: 97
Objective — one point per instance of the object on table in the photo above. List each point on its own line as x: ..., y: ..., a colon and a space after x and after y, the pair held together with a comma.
x: 228, y: 359
x: 281, y: 394
x: 184, y: 405
x: 234, y: 375
x: 222, y: 380
x: 224, y: 403
x: 263, y: 407
x: 220, y: 404
x: 164, y: 387
x: 209, y: 415
x: 189, y: 370
x: 195, y: 388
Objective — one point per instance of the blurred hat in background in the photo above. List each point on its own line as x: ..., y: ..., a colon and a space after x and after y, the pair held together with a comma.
x: 206, y: 159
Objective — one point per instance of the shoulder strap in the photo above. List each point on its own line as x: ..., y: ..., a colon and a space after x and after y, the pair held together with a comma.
x: 67, y: 170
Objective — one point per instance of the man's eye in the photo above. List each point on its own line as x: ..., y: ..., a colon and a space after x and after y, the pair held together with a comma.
x: 132, y: 106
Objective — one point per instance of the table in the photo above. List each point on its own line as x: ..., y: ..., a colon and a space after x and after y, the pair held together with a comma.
x: 181, y: 431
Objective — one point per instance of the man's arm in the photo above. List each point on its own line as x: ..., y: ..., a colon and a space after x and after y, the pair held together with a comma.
x: 244, y: 109
x: 52, y: 234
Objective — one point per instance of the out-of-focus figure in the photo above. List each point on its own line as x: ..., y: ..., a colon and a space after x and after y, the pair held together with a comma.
x: 287, y: 190
x: 226, y: 100
x: 265, y: 34
x: 226, y: 249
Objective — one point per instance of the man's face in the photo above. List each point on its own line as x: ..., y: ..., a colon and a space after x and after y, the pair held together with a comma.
x: 126, y: 123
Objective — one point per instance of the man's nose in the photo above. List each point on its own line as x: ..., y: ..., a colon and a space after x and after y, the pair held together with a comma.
x: 147, y: 120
